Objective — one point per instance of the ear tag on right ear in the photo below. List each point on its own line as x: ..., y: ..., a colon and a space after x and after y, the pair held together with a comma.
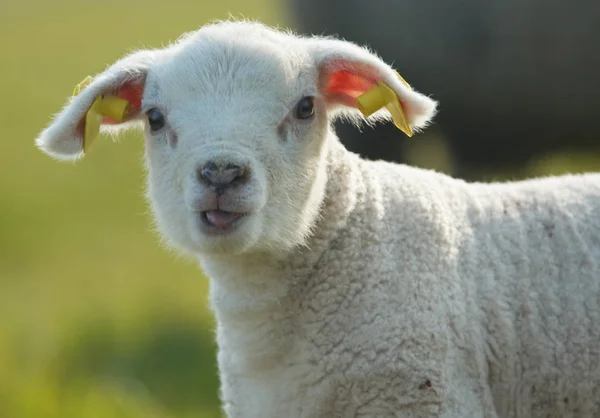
x: 104, y: 106
x: 383, y: 96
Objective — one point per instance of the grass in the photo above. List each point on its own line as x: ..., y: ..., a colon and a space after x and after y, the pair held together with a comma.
x: 96, y: 319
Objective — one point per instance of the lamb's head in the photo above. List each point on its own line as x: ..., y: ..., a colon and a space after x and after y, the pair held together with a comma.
x: 237, y: 120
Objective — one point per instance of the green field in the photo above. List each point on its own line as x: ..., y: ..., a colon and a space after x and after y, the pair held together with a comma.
x: 96, y: 319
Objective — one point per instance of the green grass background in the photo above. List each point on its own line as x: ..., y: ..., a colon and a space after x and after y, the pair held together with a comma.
x: 96, y: 319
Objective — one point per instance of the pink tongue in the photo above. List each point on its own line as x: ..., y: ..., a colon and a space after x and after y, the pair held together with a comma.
x: 220, y: 218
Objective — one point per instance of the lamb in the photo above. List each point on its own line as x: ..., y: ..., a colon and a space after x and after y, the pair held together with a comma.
x: 344, y: 287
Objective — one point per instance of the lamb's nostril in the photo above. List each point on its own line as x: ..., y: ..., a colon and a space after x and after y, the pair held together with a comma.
x: 207, y: 173
x: 233, y: 172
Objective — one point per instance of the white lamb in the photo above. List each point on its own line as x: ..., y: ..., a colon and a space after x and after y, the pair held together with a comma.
x: 349, y: 288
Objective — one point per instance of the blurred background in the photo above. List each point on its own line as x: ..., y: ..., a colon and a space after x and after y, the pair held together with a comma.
x: 96, y: 318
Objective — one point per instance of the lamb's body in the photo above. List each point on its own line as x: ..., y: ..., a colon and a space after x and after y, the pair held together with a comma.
x: 533, y: 263
x: 421, y: 295
x: 347, y: 288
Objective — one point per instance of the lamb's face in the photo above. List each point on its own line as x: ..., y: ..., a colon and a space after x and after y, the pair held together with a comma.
x: 236, y: 118
x: 235, y: 136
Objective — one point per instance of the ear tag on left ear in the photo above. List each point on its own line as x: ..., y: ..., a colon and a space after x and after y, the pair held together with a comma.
x: 84, y: 83
x: 104, y: 106
x: 383, y: 96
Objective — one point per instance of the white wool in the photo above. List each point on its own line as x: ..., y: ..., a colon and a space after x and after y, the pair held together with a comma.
x: 353, y: 288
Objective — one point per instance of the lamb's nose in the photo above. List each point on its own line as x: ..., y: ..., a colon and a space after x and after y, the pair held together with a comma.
x: 220, y: 177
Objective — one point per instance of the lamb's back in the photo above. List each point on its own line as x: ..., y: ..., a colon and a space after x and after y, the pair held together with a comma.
x: 534, y: 256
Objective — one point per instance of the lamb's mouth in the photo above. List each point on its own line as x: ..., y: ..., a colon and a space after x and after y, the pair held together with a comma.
x: 219, y: 221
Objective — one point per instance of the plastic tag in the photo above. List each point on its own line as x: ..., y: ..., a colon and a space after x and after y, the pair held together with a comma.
x: 104, y: 106
x: 382, y: 96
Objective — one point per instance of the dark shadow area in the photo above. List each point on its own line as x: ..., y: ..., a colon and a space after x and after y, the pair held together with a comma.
x: 515, y: 80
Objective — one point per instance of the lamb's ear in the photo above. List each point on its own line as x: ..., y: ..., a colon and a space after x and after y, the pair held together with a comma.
x: 347, y: 71
x: 64, y: 137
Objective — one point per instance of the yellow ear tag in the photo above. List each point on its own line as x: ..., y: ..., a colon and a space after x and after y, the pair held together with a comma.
x: 110, y: 106
x: 383, y: 96
x: 84, y: 83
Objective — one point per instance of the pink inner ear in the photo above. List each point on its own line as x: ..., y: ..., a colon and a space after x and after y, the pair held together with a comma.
x: 344, y: 86
x: 132, y: 92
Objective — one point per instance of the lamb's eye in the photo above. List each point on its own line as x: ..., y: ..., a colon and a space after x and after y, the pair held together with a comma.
x: 305, y: 108
x: 156, y: 119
